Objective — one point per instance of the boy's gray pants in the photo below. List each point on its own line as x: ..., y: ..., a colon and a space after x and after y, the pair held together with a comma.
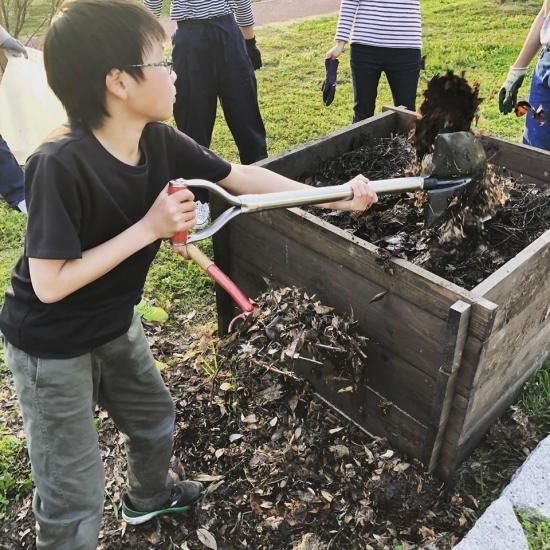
x: 57, y: 398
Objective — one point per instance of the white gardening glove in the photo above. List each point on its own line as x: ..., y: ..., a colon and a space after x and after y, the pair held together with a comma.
x: 14, y: 47
x: 508, y: 95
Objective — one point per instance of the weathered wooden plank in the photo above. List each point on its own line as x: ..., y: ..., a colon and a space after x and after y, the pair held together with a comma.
x: 517, y: 283
x: 400, y: 382
x: 519, y: 159
x: 415, y: 284
x: 457, y: 331
x: 448, y: 460
x: 305, y: 159
x: 366, y: 407
x: 485, y: 412
x: 512, y: 357
x: 518, y: 333
x: 412, y: 333
x: 405, y: 119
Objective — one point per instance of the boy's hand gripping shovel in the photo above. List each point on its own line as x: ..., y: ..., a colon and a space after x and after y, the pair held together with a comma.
x: 458, y: 161
x: 209, y: 267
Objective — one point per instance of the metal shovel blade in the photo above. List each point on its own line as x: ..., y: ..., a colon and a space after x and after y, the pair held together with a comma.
x: 456, y: 155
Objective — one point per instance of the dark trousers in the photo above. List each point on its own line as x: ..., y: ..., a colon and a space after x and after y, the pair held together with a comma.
x: 402, y: 68
x: 11, y: 176
x: 211, y: 62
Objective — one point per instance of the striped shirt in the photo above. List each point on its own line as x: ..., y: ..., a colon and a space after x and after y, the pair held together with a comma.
x: 181, y: 10
x: 382, y: 23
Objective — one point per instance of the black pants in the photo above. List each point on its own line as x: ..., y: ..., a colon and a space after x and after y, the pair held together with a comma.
x: 402, y: 68
x: 211, y: 62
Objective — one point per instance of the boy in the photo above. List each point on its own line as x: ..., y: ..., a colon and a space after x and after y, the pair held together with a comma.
x: 98, y: 208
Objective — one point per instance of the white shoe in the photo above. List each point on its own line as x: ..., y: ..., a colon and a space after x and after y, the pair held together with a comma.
x: 203, y: 214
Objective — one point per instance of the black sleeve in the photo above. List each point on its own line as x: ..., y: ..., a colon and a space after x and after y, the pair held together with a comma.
x: 196, y: 161
x: 54, y: 210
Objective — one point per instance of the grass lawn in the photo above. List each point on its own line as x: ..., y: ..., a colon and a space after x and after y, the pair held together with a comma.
x: 479, y: 37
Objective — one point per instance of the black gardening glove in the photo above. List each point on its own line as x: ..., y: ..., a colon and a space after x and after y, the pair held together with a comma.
x: 253, y: 53
x: 329, y: 85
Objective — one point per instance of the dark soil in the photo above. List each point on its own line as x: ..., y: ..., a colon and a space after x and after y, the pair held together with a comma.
x: 466, y: 247
x: 283, y: 470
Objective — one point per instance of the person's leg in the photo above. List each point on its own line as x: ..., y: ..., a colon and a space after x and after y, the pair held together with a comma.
x: 57, y: 401
x: 239, y: 93
x: 196, y: 85
x: 535, y: 134
x: 366, y: 68
x: 402, y: 68
x: 11, y: 177
x: 134, y: 394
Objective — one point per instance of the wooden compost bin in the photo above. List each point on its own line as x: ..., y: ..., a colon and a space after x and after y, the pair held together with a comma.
x: 443, y: 362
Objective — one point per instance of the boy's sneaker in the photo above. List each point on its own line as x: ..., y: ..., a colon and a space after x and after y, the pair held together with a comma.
x: 151, y: 314
x: 202, y: 213
x: 184, y: 496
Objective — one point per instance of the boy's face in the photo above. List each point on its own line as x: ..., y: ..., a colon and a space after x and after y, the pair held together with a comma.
x: 153, y: 97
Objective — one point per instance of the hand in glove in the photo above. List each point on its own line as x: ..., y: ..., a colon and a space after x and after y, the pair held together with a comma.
x: 14, y: 47
x: 329, y: 85
x: 253, y: 53
x: 508, y: 95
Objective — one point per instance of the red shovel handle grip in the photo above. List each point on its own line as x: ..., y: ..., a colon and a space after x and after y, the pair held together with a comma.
x: 181, y: 237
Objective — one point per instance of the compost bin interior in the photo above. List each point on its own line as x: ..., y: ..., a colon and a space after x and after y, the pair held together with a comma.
x: 443, y: 361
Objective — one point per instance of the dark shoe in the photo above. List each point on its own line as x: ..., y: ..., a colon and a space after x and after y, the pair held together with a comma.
x: 183, y: 497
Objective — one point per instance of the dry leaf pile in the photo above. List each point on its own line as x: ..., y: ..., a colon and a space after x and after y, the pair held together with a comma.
x: 450, y: 105
x: 284, y: 471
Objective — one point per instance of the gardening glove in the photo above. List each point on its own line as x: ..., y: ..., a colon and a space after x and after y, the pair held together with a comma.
x: 329, y: 85
x: 14, y: 47
x: 253, y: 53
x: 508, y: 95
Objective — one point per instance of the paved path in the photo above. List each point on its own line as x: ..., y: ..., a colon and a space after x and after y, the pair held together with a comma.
x: 276, y: 11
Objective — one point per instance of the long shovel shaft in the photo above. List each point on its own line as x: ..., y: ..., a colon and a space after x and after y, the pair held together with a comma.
x: 320, y: 195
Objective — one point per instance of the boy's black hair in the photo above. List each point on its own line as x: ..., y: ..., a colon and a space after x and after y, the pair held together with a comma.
x: 88, y: 39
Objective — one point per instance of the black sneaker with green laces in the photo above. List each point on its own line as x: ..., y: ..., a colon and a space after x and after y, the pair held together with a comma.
x: 184, y: 496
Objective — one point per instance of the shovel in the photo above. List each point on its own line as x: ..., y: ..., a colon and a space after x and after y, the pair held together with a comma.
x: 458, y: 161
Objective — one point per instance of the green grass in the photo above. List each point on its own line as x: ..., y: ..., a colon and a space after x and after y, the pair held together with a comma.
x: 535, y: 399
x: 15, y: 479
x: 537, y: 530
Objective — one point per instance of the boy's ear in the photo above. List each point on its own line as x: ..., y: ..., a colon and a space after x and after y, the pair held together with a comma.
x: 116, y: 83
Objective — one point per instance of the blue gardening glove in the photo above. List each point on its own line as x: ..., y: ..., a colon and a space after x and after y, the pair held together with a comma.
x: 253, y: 53
x: 14, y: 47
x: 508, y: 95
x: 329, y: 85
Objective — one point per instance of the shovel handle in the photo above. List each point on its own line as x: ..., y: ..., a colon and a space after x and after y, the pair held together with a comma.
x: 220, y: 278
x: 180, y: 238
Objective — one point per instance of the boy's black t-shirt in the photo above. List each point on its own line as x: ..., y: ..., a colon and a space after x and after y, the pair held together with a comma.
x: 80, y: 196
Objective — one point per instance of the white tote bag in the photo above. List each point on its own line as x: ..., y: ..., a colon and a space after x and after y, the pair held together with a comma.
x: 29, y: 110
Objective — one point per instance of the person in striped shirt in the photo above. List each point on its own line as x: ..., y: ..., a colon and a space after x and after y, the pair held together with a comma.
x: 385, y: 36
x: 214, y: 56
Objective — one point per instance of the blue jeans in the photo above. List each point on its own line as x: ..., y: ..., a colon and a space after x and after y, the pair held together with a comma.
x: 11, y: 176
x: 402, y: 68
x: 536, y: 134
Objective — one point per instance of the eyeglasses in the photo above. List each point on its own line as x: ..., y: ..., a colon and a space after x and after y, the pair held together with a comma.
x: 167, y: 64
